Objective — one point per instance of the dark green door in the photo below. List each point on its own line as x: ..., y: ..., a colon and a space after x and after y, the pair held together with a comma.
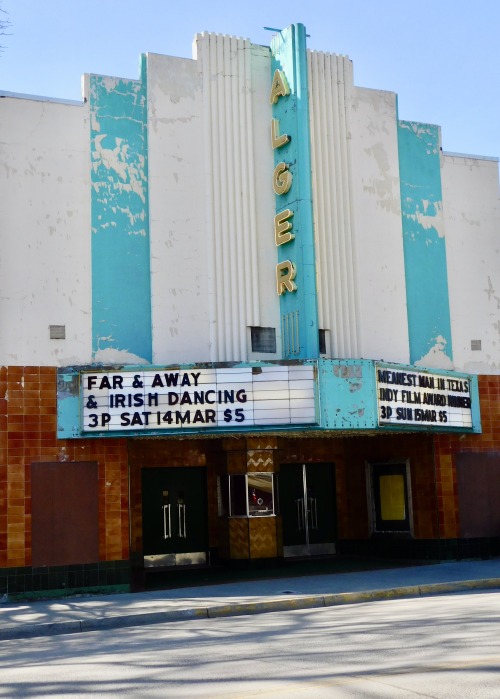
x: 174, y: 516
x: 308, y: 508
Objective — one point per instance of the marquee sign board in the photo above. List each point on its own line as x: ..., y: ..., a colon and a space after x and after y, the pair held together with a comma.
x: 166, y: 400
x: 408, y: 397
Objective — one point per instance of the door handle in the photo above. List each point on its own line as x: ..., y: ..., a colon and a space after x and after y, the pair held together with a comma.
x: 313, y: 512
x: 181, y: 509
x: 300, y: 513
x: 167, y: 524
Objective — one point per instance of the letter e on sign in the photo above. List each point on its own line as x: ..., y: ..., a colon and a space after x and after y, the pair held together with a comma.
x: 282, y: 227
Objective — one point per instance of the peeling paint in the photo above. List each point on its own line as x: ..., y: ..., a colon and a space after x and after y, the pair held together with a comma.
x: 118, y: 161
x: 436, y: 357
x: 115, y: 356
x: 121, y: 285
x: 424, y: 245
x: 431, y: 218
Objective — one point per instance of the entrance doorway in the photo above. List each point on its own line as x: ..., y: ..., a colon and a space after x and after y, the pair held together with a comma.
x: 174, y: 516
x: 391, y: 498
x: 308, y: 508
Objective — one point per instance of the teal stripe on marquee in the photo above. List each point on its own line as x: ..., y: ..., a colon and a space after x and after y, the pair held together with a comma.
x: 299, y: 309
x: 121, y: 289
x: 429, y: 325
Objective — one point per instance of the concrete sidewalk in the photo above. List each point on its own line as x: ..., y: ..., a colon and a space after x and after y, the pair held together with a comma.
x: 92, y: 613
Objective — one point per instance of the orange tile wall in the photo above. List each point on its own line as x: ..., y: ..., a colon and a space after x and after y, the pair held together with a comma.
x: 28, y: 433
x: 418, y: 449
x: 447, y: 445
x: 28, y: 422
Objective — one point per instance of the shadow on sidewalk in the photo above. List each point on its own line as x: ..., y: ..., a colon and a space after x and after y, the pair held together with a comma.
x: 164, y: 579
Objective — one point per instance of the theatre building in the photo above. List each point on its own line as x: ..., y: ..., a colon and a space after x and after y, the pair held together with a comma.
x: 246, y: 314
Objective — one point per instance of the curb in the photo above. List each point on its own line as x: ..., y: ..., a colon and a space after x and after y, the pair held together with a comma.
x: 243, y: 608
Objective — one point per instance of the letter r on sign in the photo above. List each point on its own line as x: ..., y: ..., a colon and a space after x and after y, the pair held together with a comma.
x: 285, y: 274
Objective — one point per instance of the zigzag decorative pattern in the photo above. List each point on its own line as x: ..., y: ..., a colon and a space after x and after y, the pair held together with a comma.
x: 263, y: 537
x: 261, y: 460
x: 238, y: 538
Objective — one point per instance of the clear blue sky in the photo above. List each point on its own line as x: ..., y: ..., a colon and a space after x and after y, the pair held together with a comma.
x: 442, y: 57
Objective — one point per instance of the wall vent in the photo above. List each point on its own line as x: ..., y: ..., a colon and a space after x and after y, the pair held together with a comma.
x: 57, y: 332
x: 263, y: 339
x: 475, y: 345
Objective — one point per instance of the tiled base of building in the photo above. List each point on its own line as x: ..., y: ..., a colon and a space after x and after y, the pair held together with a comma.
x: 422, y: 549
x: 72, y: 578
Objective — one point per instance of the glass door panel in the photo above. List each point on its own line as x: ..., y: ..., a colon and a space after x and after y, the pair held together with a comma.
x: 174, y: 516
x: 308, y: 508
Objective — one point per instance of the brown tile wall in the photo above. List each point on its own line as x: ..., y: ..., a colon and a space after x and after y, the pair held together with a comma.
x: 28, y: 433
x: 350, y: 457
x: 418, y: 449
x: 448, y: 445
x: 263, y: 537
x: 28, y: 420
x: 239, y: 538
x: 433, y: 469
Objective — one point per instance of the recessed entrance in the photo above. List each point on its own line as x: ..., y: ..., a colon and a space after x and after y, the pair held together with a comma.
x: 308, y: 509
x: 391, y: 499
x: 174, y: 516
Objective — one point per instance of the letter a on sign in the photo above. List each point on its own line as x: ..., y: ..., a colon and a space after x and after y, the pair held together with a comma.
x: 280, y: 87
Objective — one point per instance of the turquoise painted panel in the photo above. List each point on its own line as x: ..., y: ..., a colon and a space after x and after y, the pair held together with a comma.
x: 121, y: 288
x: 68, y: 403
x: 347, y: 394
x: 476, y: 407
x: 299, y: 309
x: 429, y: 325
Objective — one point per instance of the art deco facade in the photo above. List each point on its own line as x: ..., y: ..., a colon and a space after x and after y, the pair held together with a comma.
x: 246, y: 313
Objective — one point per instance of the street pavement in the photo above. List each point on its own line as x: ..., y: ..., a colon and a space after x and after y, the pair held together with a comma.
x: 79, y: 614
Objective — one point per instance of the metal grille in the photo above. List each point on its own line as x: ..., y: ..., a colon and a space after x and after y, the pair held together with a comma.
x: 57, y: 332
x: 475, y: 345
x: 290, y: 334
x: 263, y: 340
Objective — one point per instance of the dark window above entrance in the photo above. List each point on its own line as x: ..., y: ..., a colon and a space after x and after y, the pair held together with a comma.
x: 263, y: 340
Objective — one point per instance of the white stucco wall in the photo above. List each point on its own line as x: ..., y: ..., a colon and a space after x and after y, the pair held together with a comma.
x: 212, y: 205
x: 44, y: 232
x: 471, y: 209
x: 211, y: 202
x: 237, y: 162
x: 177, y: 212
x: 379, y: 240
x: 330, y: 108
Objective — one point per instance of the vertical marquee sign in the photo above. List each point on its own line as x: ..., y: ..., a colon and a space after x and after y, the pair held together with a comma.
x: 293, y: 222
